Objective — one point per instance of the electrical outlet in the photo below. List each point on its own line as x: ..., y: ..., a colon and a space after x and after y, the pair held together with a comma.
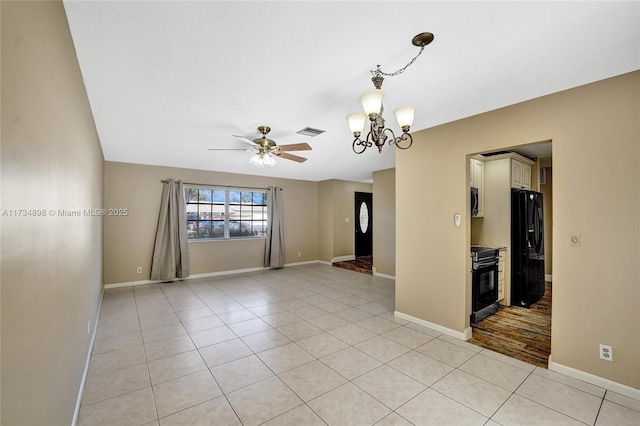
x: 299, y: 254
x: 139, y: 270
x: 606, y: 352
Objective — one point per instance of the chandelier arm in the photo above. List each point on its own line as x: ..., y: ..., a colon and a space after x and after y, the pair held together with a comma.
x: 393, y: 136
x: 357, y: 143
x: 405, y: 137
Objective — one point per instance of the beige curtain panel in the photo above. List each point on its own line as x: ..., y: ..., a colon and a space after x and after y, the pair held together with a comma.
x: 171, y: 253
x: 274, y: 250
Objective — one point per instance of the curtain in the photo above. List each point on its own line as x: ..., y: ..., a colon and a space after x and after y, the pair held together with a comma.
x: 171, y: 254
x: 274, y: 251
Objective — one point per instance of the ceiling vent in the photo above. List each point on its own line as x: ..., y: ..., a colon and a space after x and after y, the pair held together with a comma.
x: 310, y: 131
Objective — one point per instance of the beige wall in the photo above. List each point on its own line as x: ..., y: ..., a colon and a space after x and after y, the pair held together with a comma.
x: 547, y: 191
x: 129, y: 240
x: 51, y: 265
x: 325, y: 220
x: 339, y: 195
x: 596, y: 156
x: 384, y: 222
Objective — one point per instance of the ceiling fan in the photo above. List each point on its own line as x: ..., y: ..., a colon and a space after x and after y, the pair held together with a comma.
x: 266, y: 149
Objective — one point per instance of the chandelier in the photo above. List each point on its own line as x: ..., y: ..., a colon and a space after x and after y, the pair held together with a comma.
x: 373, y: 109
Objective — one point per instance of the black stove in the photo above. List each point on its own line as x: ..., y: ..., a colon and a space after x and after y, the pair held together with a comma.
x: 485, y: 281
x: 484, y: 253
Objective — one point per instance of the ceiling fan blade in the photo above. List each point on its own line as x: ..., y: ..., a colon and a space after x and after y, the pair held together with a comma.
x: 295, y: 147
x: 229, y: 149
x: 290, y: 157
x: 245, y: 139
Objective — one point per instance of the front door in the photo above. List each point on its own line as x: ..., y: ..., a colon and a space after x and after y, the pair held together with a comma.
x: 364, y: 224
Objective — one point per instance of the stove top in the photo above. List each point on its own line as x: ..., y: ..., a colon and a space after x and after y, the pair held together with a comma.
x: 479, y: 249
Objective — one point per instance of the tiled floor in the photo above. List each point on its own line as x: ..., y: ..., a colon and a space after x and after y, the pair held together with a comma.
x: 310, y: 345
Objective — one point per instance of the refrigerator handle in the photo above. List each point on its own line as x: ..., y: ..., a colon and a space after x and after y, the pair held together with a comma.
x: 538, y: 236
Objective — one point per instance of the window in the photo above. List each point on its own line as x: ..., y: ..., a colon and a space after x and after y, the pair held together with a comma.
x: 225, y: 213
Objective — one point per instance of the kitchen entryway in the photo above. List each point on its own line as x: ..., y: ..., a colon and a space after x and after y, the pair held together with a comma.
x: 522, y: 229
x: 521, y: 333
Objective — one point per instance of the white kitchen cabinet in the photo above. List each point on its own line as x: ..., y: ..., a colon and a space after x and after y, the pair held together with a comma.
x: 476, y: 171
x: 520, y: 174
x: 501, y: 274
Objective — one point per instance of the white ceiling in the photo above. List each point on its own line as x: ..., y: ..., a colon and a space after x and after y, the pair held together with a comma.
x: 167, y: 80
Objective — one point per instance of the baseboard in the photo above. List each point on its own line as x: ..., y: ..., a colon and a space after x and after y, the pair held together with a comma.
x: 130, y: 283
x: 466, y: 335
x: 547, y: 277
x: 625, y: 390
x: 76, y: 412
x: 307, y: 262
x: 378, y: 274
x: 209, y: 274
x: 343, y: 258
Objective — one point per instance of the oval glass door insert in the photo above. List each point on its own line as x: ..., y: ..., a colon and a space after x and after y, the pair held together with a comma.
x: 364, y: 217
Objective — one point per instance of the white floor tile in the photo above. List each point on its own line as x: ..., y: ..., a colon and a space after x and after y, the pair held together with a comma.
x: 348, y: 405
x: 252, y: 348
x: 433, y: 408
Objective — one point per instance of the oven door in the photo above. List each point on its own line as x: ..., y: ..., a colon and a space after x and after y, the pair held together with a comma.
x: 485, y: 291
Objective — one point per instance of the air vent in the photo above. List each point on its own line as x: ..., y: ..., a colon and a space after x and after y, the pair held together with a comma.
x: 310, y: 131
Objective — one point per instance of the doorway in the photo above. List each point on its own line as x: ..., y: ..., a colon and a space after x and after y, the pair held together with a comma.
x: 364, y: 224
x: 521, y: 333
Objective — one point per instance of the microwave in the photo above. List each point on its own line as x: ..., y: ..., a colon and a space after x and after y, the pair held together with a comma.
x: 474, y: 201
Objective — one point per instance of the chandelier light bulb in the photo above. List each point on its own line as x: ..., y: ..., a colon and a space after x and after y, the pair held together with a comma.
x: 405, y: 115
x: 356, y: 122
x: 372, y: 101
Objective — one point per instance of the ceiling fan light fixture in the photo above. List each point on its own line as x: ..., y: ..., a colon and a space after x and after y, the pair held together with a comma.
x: 269, y: 160
x: 266, y: 150
x: 262, y: 160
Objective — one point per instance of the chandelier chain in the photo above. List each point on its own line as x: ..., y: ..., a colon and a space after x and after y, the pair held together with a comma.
x: 378, y: 71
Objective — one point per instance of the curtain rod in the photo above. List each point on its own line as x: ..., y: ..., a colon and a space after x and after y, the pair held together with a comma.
x: 219, y: 186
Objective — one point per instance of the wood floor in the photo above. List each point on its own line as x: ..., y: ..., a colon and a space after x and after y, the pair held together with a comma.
x: 361, y: 264
x: 520, y: 333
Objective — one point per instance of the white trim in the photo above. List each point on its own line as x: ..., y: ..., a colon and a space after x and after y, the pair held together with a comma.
x: 343, y: 258
x: 229, y: 272
x: 625, y: 390
x: 76, y: 412
x: 306, y: 262
x: 130, y: 283
x: 466, y: 335
x: 377, y: 274
x: 547, y: 277
x: 208, y: 274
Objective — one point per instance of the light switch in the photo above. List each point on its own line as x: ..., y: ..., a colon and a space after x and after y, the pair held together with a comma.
x: 346, y: 219
x: 574, y: 240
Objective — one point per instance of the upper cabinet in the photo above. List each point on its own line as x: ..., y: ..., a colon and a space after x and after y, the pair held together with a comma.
x: 476, y: 171
x: 521, y: 173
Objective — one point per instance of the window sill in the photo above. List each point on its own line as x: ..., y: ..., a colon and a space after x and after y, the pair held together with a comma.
x: 209, y: 240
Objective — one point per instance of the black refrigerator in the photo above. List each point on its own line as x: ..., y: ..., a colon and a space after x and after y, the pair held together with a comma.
x: 527, y: 247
